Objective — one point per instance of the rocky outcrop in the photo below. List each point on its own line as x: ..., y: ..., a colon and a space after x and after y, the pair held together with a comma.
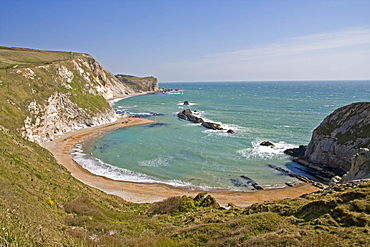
x: 360, y: 166
x: 296, y: 152
x: 213, y: 126
x: 340, y: 136
x: 187, y: 114
x: 139, y: 84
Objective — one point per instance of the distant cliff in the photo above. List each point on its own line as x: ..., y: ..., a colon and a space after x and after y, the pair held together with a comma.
x: 139, y: 84
x: 48, y: 93
x: 340, y: 136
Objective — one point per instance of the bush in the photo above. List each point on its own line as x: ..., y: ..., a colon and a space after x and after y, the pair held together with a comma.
x: 172, y: 205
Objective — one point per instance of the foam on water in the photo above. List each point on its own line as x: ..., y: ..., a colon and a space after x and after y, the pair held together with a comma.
x: 266, y: 152
x: 157, y: 162
x: 100, y: 168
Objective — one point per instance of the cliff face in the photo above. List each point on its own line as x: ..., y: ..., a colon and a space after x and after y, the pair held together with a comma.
x: 340, y: 136
x: 46, y: 94
x: 139, y: 84
x: 360, y: 166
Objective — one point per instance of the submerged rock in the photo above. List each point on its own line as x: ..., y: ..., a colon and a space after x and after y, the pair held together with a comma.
x: 186, y: 102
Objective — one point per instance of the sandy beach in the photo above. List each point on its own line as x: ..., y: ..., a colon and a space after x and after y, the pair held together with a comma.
x: 62, y: 149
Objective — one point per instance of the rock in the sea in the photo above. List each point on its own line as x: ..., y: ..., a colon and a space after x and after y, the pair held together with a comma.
x: 296, y: 152
x: 186, y: 102
x: 230, y: 131
x: 267, y: 144
x: 213, y: 126
x: 187, y: 114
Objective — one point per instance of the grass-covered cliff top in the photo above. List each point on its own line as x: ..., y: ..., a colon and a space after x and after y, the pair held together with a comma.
x: 21, y: 57
x: 139, y: 84
x: 41, y: 204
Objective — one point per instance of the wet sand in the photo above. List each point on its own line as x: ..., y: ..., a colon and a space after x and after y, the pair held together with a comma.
x: 63, y: 147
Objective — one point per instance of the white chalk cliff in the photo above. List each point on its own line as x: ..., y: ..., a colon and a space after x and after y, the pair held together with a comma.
x: 62, y: 95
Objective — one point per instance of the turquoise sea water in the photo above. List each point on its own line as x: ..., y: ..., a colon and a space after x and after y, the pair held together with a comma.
x: 181, y: 153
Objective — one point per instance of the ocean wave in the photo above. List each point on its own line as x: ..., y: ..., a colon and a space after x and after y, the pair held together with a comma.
x: 111, y: 102
x: 175, y: 92
x: 100, y: 168
x: 125, y: 107
x: 157, y: 162
x: 266, y: 152
x: 139, y: 114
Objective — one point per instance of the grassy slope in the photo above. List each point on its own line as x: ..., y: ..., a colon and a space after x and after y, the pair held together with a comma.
x: 10, y: 57
x: 41, y: 204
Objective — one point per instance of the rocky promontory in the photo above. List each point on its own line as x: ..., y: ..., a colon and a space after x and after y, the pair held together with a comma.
x: 139, y: 84
x: 342, y: 137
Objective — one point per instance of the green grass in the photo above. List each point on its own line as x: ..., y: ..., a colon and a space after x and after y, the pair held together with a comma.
x: 10, y: 57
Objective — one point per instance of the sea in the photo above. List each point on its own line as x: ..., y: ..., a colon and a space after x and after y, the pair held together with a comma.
x: 183, y: 154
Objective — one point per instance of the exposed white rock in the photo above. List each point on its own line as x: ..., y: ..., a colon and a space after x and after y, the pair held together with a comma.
x: 58, y: 116
x: 64, y: 74
x: 27, y: 72
x: 360, y: 166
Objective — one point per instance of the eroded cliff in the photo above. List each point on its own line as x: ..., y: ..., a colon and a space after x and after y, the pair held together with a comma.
x: 46, y: 93
x: 340, y: 136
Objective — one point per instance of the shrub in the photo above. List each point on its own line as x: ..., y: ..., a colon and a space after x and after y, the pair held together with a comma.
x: 172, y: 205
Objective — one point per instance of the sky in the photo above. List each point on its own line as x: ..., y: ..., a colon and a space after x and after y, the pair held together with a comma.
x: 201, y: 40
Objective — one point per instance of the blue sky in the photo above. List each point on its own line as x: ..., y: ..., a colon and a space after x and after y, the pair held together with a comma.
x: 201, y: 40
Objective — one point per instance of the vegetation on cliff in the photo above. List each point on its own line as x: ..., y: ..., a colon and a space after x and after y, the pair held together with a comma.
x: 340, y: 136
x: 41, y: 204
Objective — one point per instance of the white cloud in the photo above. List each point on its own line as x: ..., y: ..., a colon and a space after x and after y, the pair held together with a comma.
x: 337, y: 55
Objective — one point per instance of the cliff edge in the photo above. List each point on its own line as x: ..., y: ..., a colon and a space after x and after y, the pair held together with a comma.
x: 340, y: 136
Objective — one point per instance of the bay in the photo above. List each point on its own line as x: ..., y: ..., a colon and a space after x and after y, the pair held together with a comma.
x: 181, y: 153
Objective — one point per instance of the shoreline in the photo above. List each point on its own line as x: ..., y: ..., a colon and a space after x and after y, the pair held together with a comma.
x: 62, y: 149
